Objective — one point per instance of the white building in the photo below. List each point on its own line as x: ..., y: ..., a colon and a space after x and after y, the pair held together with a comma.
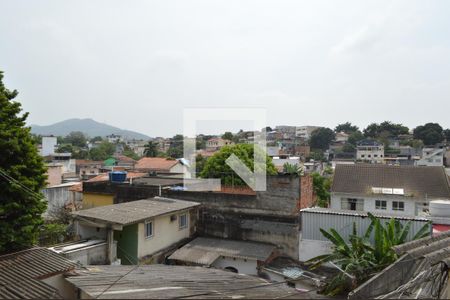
x: 432, y: 157
x: 114, y: 138
x: 305, y: 131
x: 370, y: 150
x: 48, y: 145
x: 397, y: 190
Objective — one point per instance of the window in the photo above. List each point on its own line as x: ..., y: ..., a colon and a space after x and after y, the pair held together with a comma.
x: 369, y: 155
x: 362, y: 155
x: 148, y: 229
x: 375, y: 155
x: 398, y: 205
x: 352, y: 204
x: 380, y: 204
x: 183, y: 221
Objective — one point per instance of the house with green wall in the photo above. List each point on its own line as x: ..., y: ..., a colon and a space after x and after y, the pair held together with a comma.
x: 140, y: 230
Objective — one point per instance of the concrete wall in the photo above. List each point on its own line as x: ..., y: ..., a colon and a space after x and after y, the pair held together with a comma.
x: 89, y: 231
x: 93, y: 255
x: 165, y: 233
x: 243, y: 266
x: 54, y: 175
x: 65, y: 288
x: 369, y: 203
x: 91, y: 200
x: 270, y: 216
x: 56, y: 198
x: 312, y: 248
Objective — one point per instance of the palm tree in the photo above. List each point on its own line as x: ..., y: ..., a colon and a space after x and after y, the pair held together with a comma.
x: 151, y: 149
x: 359, y: 259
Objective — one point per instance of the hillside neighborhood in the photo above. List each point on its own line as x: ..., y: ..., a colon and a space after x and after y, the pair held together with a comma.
x: 136, y: 204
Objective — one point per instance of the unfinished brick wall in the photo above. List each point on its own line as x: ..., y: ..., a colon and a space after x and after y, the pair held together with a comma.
x: 307, y: 197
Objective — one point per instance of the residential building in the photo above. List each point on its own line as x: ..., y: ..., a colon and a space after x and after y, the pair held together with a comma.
x: 48, y: 145
x: 341, y: 137
x: 242, y: 257
x: 161, y: 165
x: 217, y: 143
x: 35, y: 273
x: 305, y: 131
x: 420, y: 272
x: 370, y: 151
x: 144, y: 229
x: 432, y: 157
x: 313, y: 243
x: 88, y: 252
x: 399, y: 190
x: 114, y: 138
x: 87, y: 169
x: 173, y: 282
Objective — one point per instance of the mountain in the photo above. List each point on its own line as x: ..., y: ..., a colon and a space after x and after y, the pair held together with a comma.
x: 87, y: 126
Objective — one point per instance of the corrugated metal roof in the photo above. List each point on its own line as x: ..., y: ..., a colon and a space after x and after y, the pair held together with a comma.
x: 205, y: 251
x: 135, y: 211
x: 20, y: 273
x: 163, y: 282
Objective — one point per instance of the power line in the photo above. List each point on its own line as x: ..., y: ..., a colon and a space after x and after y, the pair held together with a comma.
x: 12, y: 181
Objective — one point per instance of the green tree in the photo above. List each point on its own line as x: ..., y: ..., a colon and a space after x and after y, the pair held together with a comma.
x: 363, y: 256
x: 389, y: 129
x: 102, y: 151
x: 355, y: 137
x: 346, y: 127
x: 430, y: 133
x: 176, y: 147
x: 151, y: 149
x: 447, y: 135
x: 321, y: 186
x: 348, y: 147
x: 64, y: 148
x: 22, y: 177
x: 96, y: 139
x: 130, y: 153
x: 200, y: 162
x: 216, y: 167
x: 321, y: 138
x: 76, y: 138
x: 227, y: 136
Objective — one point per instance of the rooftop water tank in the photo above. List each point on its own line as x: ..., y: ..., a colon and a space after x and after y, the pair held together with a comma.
x: 117, y: 176
x: 440, y: 208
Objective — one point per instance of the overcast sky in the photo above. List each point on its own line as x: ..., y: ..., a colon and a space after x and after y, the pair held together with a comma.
x: 137, y: 64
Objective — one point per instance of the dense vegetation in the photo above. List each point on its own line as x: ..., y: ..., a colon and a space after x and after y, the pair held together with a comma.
x: 363, y: 256
x: 22, y: 176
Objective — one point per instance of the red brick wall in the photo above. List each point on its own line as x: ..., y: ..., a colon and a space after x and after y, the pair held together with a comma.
x: 307, y: 198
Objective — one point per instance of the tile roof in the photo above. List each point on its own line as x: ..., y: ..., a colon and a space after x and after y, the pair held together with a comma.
x: 155, y: 164
x: 163, y: 282
x: 135, y: 211
x: 205, y: 251
x: 20, y: 273
x: 417, y: 182
x: 88, y: 162
x: 105, y: 176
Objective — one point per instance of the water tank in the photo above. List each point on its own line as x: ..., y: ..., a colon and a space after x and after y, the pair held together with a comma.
x: 440, y: 208
x: 117, y: 176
